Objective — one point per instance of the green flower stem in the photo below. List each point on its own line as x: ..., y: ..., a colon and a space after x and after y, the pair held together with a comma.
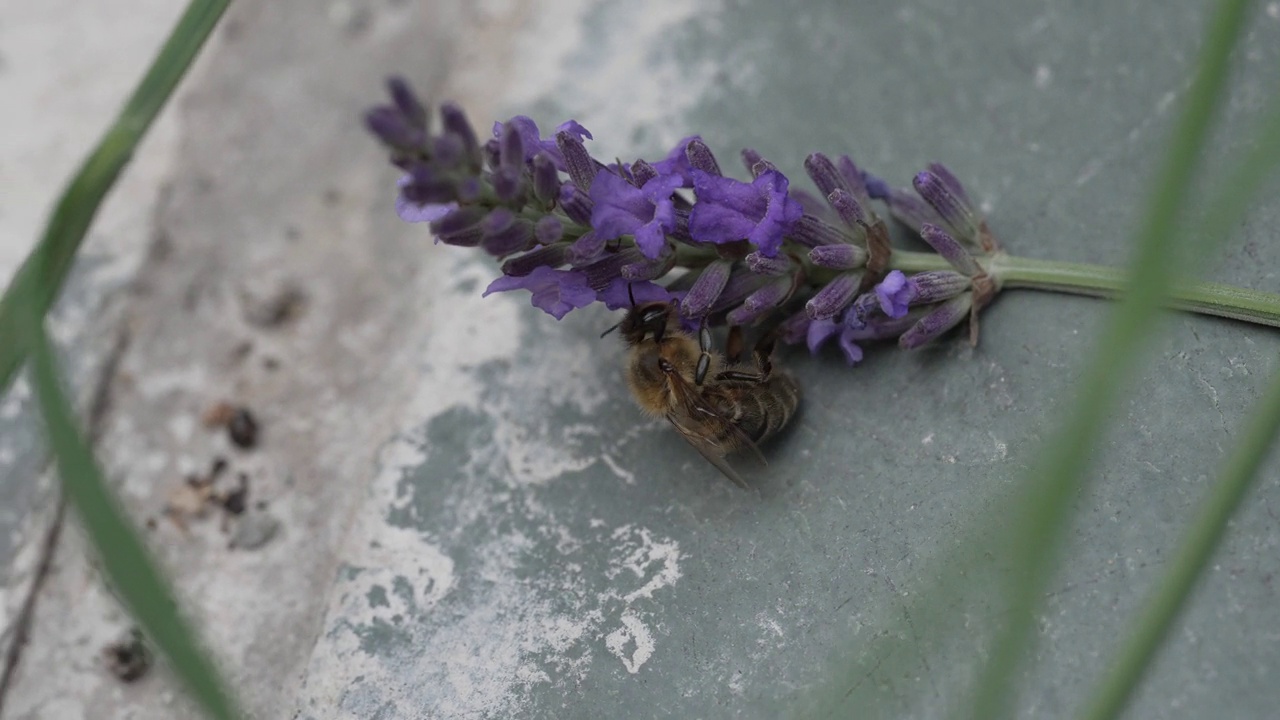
x: 1205, y: 298
x: 79, y: 202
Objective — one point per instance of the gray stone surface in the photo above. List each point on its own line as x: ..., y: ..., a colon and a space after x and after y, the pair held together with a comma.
x: 474, y: 521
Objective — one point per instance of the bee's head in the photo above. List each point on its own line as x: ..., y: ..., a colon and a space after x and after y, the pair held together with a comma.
x: 645, y: 320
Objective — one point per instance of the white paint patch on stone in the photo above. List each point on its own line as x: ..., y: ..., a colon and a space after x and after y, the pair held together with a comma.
x: 632, y: 643
x: 623, y: 474
x: 580, y: 67
x: 657, y: 562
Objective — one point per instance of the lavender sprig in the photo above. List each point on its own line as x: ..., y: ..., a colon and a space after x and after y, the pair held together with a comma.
x: 574, y: 230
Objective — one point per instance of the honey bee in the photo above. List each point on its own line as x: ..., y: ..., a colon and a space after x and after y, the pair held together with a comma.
x: 717, y: 404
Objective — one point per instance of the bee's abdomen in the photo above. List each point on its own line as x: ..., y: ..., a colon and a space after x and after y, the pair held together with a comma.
x: 762, y: 410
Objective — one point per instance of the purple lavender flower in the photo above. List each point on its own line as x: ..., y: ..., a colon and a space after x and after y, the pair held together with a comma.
x: 554, y: 291
x: 617, y: 295
x: 677, y: 161
x: 729, y: 210
x: 820, y: 331
x: 412, y: 212
x: 621, y: 208
x: 897, y: 291
x: 533, y: 142
x: 619, y: 227
x: 895, y: 294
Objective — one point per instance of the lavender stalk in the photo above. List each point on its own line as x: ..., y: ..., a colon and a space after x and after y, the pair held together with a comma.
x: 573, y: 230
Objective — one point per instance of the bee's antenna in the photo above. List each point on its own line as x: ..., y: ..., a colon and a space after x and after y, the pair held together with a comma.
x: 631, y: 295
x: 615, y: 327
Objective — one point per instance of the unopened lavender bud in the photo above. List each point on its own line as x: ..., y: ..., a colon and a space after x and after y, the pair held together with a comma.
x: 825, y: 175
x: 446, y: 150
x: 470, y: 189
x: 492, y: 152
x: 852, y: 175
x: 953, y: 211
x: 760, y: 302
x: 546, y: 179
x: 742, y: 282
x: 701, y: 158
x: 848, y: 208
x: 455, y: 123
x: 811, y: 231
x: 795, y: 328
x: 706, y: 289
x: 946, y: 246
x: 939, y: 320
x: 548, y: 229
x: 681, y: 230
x: 877, y: 189
x: 581, y: 166
x: 761, y: 167
x: 576, y: 204
x: 647, y: 269
x: 506, y: 183
x: 950, y: 181
x: 585, y: 248
x: 935, y: 285
x: 428, y: 186
x: 750, y: 157
x: 642, y: 172
x: 839, y: 257
x: 548, y: 256
x: 515, y: 237
x: 833, y: 297
x: 605, y: 270
x: 460, y: 219
x: 498, y: 220
x: 511, y: 149
x: 780, y: 265
x: 407, y: 102
x: 391, y: 128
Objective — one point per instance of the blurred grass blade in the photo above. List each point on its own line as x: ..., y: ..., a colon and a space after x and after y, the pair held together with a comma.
x: 1153, y: 625
x: 124, y: 558
x: 1058, y: 475
x: 79, y: 202
x: 1192, y: 557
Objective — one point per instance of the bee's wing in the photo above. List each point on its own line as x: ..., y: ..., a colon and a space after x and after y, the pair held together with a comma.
x: 696, y: 406
x: 710, y: 455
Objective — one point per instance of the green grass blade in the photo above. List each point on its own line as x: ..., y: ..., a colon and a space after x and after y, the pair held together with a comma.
x: 1059, y: 473
x: 1190, y: 560
x: 124, y: 558
x: 79, y: 202
x: 1169, y: 597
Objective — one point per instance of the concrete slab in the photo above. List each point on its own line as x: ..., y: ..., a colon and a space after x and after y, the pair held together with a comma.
x: 471, y: 518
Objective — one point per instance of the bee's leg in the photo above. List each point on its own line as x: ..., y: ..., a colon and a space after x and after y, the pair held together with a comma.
x: 733, y: 346
x: 704, y: 360
x: 762, y: 353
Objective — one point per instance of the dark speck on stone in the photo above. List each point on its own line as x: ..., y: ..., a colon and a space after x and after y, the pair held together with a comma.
x: 243, y: 429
